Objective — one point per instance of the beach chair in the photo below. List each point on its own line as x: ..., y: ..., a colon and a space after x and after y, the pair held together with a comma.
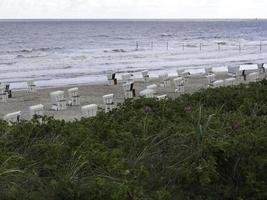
x: 208, y: 70
x: 74, y: 98
x: 31, y: 86
x: 89, y: 110
x: 233, y: 71
x: 8, y: 91
x: 147, y: 93
x: 129, y: 92
x: 253, y: 77
x: 211, y: 78
x: 37, y: 110
x: 230, y: 82
x: 217, y: 84
x: 145, y: 76
x: 109, y: 102
x: 263, y: 69
x: 246, y: 69
x: 179, y: 72
x: 185, y: 76
x: 126, y: 78
x: 153, y: 87
x: 161, y: 97
x: 3, y: 94
x: 179, y: 85
x: 111, y: 78
x: 164, y: 80
x: 13, y: 117
x: 58, y: 100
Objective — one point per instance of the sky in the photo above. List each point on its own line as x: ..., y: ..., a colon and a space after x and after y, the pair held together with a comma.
x: 131, y: 9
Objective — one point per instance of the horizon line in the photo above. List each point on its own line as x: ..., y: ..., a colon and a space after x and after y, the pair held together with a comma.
x: 128, y: 19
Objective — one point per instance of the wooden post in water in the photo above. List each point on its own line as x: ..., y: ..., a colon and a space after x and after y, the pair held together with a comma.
x: 167, y: 46
x: 260, y: 47
x: 152, y: 45
x: 239, y: 47
x: 137, y: 45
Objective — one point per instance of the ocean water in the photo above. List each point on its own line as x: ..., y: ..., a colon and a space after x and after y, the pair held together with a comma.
x: 55, y: 53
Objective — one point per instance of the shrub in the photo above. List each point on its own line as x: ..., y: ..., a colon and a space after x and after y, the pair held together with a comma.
x: 208, y: 145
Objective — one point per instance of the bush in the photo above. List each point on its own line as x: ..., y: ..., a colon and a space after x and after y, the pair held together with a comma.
x: 209, y: 145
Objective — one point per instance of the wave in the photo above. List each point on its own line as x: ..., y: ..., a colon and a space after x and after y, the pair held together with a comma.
x: 8, y: 63
x: 42, y: 49
x: 81, y: 57
x: 221, y: 43
x: 191, y: 45
x: 30, y: 56
x: 115, y: 51
x: 101, y: 36
x: 167, y: 35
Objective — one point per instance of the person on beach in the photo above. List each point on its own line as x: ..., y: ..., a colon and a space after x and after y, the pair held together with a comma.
x: 244, y: 75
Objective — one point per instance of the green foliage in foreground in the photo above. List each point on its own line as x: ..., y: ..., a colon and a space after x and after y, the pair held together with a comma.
x: 209, y: 145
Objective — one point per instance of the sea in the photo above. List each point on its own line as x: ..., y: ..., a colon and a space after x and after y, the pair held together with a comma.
x: 68, y: 52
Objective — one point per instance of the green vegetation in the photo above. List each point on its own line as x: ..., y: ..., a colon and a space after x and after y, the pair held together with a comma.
x: 209, y: 145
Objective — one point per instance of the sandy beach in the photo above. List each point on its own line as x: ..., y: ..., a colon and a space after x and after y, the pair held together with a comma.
x: 89, y: 94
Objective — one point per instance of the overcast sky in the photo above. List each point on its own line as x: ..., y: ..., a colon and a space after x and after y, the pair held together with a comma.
x: 35, y: 9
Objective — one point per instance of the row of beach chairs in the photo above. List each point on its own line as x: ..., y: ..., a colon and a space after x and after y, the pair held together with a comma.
x: 59, y: 103
x: 248, y: 73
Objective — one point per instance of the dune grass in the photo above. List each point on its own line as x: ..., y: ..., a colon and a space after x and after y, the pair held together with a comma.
x: 208, y: 145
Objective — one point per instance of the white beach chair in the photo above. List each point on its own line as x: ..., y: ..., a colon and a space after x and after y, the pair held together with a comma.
x: 13, y: 117
x: 179, y: 85
x: 208, y: 70
x: 234, y: 72
x: 58, y: 100
x: 152, y: 87
x: 89, y: 110
x: 126, y: 78
x: 161, y: 97
x: 179, y: 72
x: 185, y: 76
x: 129, y: 92
x: 217, y: 84
x: 249, y: 68
x: 263, y: 70
x: 8, y: 90
x: 3, y: 94
x: 147, y: 93
x: 109, y: 102
x: 145, y: 76
x: 211, y: 78
x: 164, y: 80
x: 74, y: 97
x: 230, y: 81
x: 37, y: 110
x: 31, y: 86
x: 111, y: 78
x: 245, y: 70
x: 253, y: 77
